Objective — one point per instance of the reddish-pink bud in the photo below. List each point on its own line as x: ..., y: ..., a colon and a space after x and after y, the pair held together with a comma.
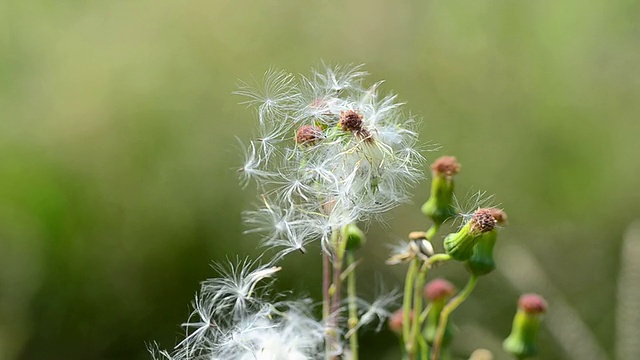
x: 396, y: 320
x: 439, y: 289
x: 532, y: 304
x: 445, y: 166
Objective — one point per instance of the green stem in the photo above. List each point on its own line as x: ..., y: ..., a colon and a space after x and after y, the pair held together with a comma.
x: 339, y: 242
x: 416, y: 325
x: 326, y: 300
x: 447, y: 310
x: 353, y: 307
x: 438, y: 258
x: 416, y: 329
x: 432, y: 231
x: 416, y: 277
x: 406, y: 305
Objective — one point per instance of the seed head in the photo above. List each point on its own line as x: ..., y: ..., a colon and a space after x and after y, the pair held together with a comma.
x: 350, y: 121
x: 308, y: 135
x: 324, y: 180
x: 483, y: 221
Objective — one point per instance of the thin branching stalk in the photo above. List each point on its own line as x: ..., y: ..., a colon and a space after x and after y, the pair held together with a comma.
x: 412, y: 272
x: 421, y: 278
x: 416, y: 326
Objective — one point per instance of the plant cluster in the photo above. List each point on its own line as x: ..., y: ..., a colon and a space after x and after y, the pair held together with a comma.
x: 332, y: 153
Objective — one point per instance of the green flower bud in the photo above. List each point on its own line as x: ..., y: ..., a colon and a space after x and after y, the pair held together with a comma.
x: 460, y: 244
x: 522, y: 340
x: 439, y: 206
x: 354, y: 236
x: 481, y: 261
x: 438, y: 292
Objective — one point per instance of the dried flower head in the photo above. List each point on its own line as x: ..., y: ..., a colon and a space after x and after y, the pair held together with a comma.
x: 482, y: 221
x: 308, y: 135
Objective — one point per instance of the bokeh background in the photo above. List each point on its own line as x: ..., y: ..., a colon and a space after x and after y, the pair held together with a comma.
x: 118, y: 158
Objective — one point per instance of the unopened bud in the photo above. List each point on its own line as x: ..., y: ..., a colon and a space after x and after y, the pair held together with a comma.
x: 354, y: 236
x: 460, y: 244
x: 395, y: 321
x: 438, y: 292
x: 481, y: 261
x: 524, y: 331
x: 439, y: 206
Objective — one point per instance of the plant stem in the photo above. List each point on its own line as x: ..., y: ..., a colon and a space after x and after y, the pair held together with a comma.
x: 338, y: 242
x: 326, y: 301
x: 416, y: 326
x: 432, y: 231
x: 353, y: 307
x: 406, y: 306
x: 416, y: 277
x: 447, y: 310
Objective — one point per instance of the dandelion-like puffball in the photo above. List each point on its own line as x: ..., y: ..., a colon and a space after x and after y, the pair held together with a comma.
x: 329, y: 151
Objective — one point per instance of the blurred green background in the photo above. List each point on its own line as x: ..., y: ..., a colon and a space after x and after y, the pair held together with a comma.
x: 118, y: 154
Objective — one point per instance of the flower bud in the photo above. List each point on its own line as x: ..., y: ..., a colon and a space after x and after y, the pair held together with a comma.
x: 481, y: 261
x: 354, y: 236
x: 438, y: 292
x: 395, y: 321
x: 460, y: 244
x: 439, y: 206
x: 522, y: 340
